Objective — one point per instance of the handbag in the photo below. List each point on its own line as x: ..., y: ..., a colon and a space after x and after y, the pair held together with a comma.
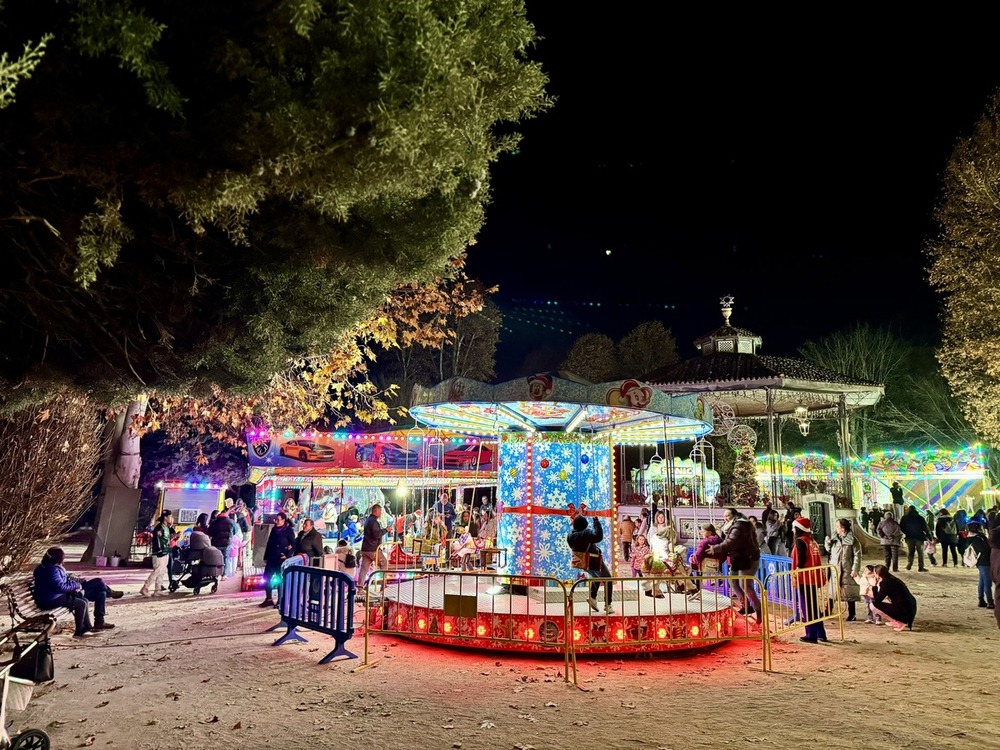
x: 970, y: 557
x: 37, y: 665
x: 581, y: 560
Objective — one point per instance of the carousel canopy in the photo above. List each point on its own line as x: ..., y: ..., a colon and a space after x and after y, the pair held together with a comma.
x: 627, y: 410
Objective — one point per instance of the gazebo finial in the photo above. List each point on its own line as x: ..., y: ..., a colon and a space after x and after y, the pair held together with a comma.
x: 727, y: 307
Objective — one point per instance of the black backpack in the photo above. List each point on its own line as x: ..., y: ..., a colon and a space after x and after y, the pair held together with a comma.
x: 350, y: 561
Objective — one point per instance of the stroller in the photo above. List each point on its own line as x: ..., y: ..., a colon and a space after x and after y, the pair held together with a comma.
x: 31, y: 664
x: 202, y: 569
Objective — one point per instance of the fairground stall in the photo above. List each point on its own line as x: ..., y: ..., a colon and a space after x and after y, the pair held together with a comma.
x: 334, y: 477
x: 556, y: 443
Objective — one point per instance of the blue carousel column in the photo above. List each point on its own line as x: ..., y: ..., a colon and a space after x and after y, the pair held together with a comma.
x: 540, y: 477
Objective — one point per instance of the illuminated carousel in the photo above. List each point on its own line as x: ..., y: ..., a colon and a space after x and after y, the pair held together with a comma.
x: 556, y: 442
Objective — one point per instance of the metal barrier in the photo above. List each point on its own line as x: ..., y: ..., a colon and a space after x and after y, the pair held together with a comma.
x: 453, y: 606
x: 320, y: 600
x: 700, y: 618
x: 800, y: 598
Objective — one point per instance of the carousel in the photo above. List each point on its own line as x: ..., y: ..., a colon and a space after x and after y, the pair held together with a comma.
x: 556, y: 442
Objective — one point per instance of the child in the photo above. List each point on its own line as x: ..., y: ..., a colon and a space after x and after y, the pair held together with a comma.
x: 866, y: 580
x: 653, y: 567
x: 930, y: 547
x: 709, y: 537
x: 638, y: 555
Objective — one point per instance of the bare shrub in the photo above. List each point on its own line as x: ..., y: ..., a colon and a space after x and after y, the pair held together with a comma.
x: 49, y: 459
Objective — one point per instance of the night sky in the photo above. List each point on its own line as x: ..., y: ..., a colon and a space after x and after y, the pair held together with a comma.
x: 796, y: 172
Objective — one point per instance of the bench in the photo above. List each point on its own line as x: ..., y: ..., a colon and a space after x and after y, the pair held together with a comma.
x: 317, y: 599
x: 21, y: 606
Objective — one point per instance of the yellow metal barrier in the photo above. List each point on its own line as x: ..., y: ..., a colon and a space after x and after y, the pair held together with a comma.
x: 796, y: 598
x: 679, y: 618
x: 453, y: 606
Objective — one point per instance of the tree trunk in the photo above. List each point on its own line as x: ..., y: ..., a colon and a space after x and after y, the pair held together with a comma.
x: 118, y: 505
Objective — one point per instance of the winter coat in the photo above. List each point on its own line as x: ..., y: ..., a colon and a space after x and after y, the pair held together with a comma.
x: 373, y: 534
x: 946, y: 530
x: 845, y: 556
x: 586, y: 540
x: 639, y: 552
x: 280, y: 544
x: 309, y: 544
x: 221, y: 531
x: 701, y: 551
x: 981, y: 545
x: 914, y: 526
x: 740, y: 545
x: 889, y: 533
x: 51, y: 582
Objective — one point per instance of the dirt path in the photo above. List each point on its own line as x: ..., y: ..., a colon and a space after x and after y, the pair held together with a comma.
x: 207, y: 677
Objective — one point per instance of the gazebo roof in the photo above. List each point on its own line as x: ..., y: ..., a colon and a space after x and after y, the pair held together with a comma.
x: 729, y: 363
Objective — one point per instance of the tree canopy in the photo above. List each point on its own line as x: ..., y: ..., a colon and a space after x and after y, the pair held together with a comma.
x: 964, y: 263
x: 195, y: 195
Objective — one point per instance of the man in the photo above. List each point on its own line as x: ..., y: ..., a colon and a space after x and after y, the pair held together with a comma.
x: 897, y: 500
x: 444, y: 508
x: 740, y: 545
x: 584, y: 541
x: 161, y: 555
x: 370, y: 542
x: 280, y: 544
x: 54, y: 587
x: 309, y: 541
x: 914, y: 529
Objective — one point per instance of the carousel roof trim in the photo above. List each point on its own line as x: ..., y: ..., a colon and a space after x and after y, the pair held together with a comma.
x: 761, y: 370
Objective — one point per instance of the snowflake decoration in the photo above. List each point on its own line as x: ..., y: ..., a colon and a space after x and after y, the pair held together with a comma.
x: 545, y: 535
x: 543, y: 553
x: 518, y: 493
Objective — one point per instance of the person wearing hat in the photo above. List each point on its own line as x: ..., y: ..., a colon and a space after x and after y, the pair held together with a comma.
x: 583, y: 541
x: 54, y: 587
x: 946, y: 531
x: 161, y: 555
x: 980, y: 546
x: 806, y: 554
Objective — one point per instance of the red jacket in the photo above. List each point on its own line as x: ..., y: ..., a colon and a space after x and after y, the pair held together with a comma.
x: 812, y: 559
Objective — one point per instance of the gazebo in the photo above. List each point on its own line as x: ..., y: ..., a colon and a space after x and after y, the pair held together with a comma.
x: 743, y: 386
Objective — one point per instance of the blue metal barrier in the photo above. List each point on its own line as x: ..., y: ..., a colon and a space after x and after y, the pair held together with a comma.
x: 320, y: 600
x: 768, y: 564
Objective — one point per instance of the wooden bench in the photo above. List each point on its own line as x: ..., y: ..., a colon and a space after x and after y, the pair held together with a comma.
x: 21, y: 601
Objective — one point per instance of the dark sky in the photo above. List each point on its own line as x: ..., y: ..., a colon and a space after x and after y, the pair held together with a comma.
x: 796, y: 170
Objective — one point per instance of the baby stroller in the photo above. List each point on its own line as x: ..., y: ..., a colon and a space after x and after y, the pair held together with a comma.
x: 177, y: 565
x: 203, y: 569
x: 31, y: 664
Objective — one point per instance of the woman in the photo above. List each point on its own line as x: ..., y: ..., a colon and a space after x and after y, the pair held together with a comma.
x: 488, y: 528
x: 54, y: 587
x: 772, y: 533
x: 946, y: 531
x: 280, y: 545
x: 890, y: 537
x: 644, y: 519
x: 806, y: 554
x: 893, y: 600
x: 845, y: 556
x: 981, y: 546
x: 759, y: 533
x: 202, y: 524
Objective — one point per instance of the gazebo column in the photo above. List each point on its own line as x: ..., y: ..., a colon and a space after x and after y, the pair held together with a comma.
x: 845, y: 447
x: 771, y: 444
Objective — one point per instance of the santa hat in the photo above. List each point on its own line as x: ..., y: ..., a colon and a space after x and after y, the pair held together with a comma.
x: 802, y: 524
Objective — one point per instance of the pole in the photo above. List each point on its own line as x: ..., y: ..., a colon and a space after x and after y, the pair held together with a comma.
x: 845, y: 447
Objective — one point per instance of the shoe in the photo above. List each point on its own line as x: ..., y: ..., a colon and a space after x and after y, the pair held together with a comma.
x: 163, y: 588
x: 103, y: 626
x: 609, y: 610
x: 869, y: 621
x: 982, y: 603
x: 593, y: 604
x: 659, y: 595
x: 824, y: 640
x: 851, y: 618
x: 807, y: 640
x: 144, y: 592
x: 116, y: 594
x: 991, y: 605
x: 266, y: 603
x: 84, y: 634
x: 923, y: 570
x: 650, y: 594
x: 908, y: 567
x: 879, y: 621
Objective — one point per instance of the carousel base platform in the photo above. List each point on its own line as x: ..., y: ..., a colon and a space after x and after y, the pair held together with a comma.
x: 464, y: 613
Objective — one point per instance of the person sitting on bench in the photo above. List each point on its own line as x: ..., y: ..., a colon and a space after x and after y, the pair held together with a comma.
x: 54, y: 588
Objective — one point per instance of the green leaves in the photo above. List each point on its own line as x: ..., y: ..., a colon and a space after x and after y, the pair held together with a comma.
x: 13, y: 72
x: 102, y: 235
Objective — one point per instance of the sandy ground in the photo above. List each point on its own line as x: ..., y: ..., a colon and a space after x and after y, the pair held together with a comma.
x: 185, y: 672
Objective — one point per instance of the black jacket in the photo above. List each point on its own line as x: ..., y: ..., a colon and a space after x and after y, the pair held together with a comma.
x: 221, y: 531
x: 981, y: 545
x: 914, y: 526
x: 586, y: 540
x: 741, y: 546
x: 309, y: 544
x: 895, y: 591
x: 946, y: 530
x: 280, y: 545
